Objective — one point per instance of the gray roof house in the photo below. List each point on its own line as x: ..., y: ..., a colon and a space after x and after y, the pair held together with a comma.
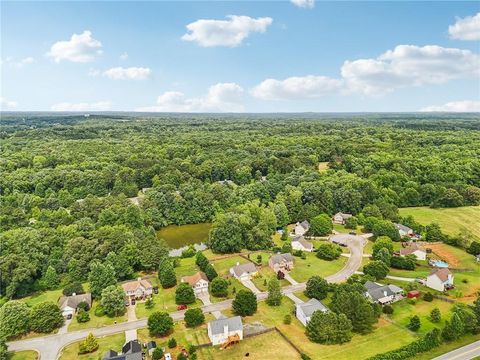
x: 69, y: 304
x: 220, y: 329
x: 304, y: 311
x: 404, y: 230
x: 383, y: 294
x: 299, y: 243
x: 301, y: 227
x: 132, y: 350
x: 243, y: 270
x: 281, y: 262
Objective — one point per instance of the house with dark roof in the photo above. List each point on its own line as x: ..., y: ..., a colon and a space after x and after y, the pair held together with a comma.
x: 340, y: 218
x: 221, y: 329
x: 198, y: 281
x: 414, y: 249
x: 301, y: 228
x: 304, y: 311
x: 281, y: 262
x: 383, y: 294
x: 440, y: 279
x: 299, y: 243
x: 69, y: 304
x: 132, y: 350
x: 243, y: 271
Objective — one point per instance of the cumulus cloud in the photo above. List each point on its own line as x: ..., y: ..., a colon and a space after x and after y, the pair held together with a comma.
x: 455, y: 106
x: 83, y: 106
x: 467, y: 28
x: 6, y: 104
x: 297, y: 88
x: 80, y: 48
x: 231, y: 32
x: 308, y: 4
x: 221, y: 97
x: 409, y: 65
x: 131, y: 73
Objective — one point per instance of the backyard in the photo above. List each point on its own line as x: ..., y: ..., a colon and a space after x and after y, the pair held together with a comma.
x: 306, y: 268
x: 114, y: 342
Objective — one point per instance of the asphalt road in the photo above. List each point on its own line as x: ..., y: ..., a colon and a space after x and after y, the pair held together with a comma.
x: 466, y: 352
x: 49, y: 346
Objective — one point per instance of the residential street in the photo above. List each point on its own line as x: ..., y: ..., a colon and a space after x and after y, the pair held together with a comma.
x: 466, y: 352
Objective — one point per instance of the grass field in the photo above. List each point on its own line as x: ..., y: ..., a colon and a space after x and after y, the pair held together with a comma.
x: 24, y: 355
x: 114, y: 342
x: 451, y: 220
x: 96, y: 321
x: 304, y: 269
x: 446, y: 347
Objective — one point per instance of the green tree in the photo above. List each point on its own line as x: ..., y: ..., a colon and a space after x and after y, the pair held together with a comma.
x: 274, y: 292
x: 210, y: 272
x: 453, y: 329
x: 100, y: 276
x: 46, y: 317
x: 386, y: 228
x: 351, y: 223
x: 15, y: 319
x: 321, y: 225
x: 4, y: 354
x: 317, y: 288
x: 201, y: 260
x: 219, y: 287
x: 172, y: 343
x: 356, y: 308
x: 166, y: 275
x: 159, y: 324
x: 287, y: 319
x: 113, y: 300
x: 245, y: 303
x: 157, y: 354
x: 74, y: 287
x: 82, y: 316
x: 194, y: 317
x: 329, y: 328
x: 435, y: 315
x: 51, y: 279
x: 414, y: 323
x: 184, y: 294
x: 378, y: 269
x: 380, y: 243
x: 89, y: 345
x: 474, y: 248
x: 329, y: 251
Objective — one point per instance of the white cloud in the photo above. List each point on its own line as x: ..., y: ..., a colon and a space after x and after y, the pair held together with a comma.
x: 456, y: 106
x: 7, y: 104
x: 222, y: 97
x: 297, y: 88
x: 131, y: 73
x: 467, y: 28
x: 124, y: 56
x: 308, y: 4
x: 409, y: 65
x: 80, y: 48
x: 231, y: 32
x: 20, y: 63
x: 95, y: 106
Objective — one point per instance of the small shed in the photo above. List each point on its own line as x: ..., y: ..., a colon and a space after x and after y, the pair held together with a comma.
x: 413, y: 294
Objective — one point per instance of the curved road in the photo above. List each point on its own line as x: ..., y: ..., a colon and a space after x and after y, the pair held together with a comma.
x: 49, y: 346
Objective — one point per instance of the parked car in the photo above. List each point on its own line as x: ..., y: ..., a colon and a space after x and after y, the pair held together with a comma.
x: 133, y: 302
x: 127, y: 303
x: 181, y: 307
x: 69, y: 316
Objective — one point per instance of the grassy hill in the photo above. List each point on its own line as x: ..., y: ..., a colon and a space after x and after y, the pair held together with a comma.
x: 451, y: 220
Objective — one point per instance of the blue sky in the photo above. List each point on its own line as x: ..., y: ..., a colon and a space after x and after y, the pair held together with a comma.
x: 271, y: 56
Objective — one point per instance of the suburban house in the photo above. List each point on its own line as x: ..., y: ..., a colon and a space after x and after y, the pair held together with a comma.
x: 132, y: 350
x: 282, y: 262
x: 383, y: 294
x: 299, y: 243
x: 340, y: 218
x: 198, y: 281
x: 440, y: 279
x: 221, y: 329
x: 301, y: 228
x: 341, y: 239
x: 69, y: 304
x: 304, y: 311
x: 404, y: 230
x: 137, y: 289
x: 243, y: 271
x: 414, y: 249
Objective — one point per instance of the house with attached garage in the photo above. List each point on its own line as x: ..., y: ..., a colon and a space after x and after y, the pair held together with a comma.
x: 383, y: 294
x: 299, y: 243
x: 440, y: 279
x: 301, y: 228
x: 69, y: 304
x: 404, y: 230
x: 281, y: 262
x: 198, y: 281
x: 304, y: 311
x: 137, y: 289
x: 243, y: 271
x: 414, y: 249
x: 340, y: 218
x: 221, y: 329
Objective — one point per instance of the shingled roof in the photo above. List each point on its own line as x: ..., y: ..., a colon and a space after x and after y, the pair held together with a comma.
x: 193, y: 279
x: 233, y: 324
x: 442, y: 274
x: 241, y: 269
x: 74, y: 300
x: 311, y: 306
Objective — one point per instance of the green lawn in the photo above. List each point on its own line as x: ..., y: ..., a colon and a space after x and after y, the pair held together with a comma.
x: 24, y: 355
x: 51, y: 295
x: 342, y: 229
x: 96, y: 321
x: 304, y: 269
x: 451, y: 220
x: 187, y: 267
x: 265, y: 274
x: 223, y: 266
x: 114, y: 342
x: 163, y: 301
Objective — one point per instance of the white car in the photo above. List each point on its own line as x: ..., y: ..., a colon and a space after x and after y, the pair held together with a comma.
x: 167, y: 356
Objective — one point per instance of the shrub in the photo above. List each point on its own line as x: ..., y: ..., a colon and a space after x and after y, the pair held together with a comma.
x: 90, y: 344
x: 83, y: 305
x: 157, y: 353
x: 329, y: 251
x: 189, y: 252
x: 287, y: 320
x: 149, y: 304
x: 194, y: 317
x: 414, y: 323
x: 159, y: 324
x: 219, y: 287
x: 83, y: 316
x: 99, y: 311
x: 172, y: 343
x: 387, y: 309
x: 428, y: 297
x: 182, y: 356
x: 435, y: 315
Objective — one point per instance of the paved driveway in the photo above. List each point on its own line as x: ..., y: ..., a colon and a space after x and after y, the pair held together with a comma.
x: 290, y: 279
x: 295, y: 299
x: 355, y: 244
x: 250, y: 285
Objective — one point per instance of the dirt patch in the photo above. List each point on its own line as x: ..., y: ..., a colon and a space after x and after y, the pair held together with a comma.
x: 444, y: 254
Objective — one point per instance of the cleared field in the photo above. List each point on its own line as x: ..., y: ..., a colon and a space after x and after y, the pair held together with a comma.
x: 304, y: 269
x: 24, y: 355
x: 114, y: 342
x: 323, y: 166
x: 96, y: 321
x: 451, y: 220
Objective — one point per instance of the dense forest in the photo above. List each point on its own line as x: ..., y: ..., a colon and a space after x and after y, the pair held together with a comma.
x: 67, y: 179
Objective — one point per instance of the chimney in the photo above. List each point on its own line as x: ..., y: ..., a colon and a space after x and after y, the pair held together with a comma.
x: 225, y: 331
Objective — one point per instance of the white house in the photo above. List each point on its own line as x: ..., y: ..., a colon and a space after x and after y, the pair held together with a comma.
x: 440, y: 279
x: 404, y: 230
x: 340, y: 218
x: 414, y: 249
x: 304, y: 311
x: 219, y: 330
x: 69, y: 304
x: 243, y: 271
x: 383, y: 294
x: 301, y: 228
x: 198, y: 281
x: 299, y: 243
x: 137, y: 289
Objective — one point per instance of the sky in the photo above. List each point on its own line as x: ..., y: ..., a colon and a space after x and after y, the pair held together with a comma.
x: 240, y: 56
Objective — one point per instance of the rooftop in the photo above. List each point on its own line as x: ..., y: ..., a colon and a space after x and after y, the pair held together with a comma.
x: 311, y: 306
x: 244, y: 268
x: 233, y: 324
x: 193, y: 279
